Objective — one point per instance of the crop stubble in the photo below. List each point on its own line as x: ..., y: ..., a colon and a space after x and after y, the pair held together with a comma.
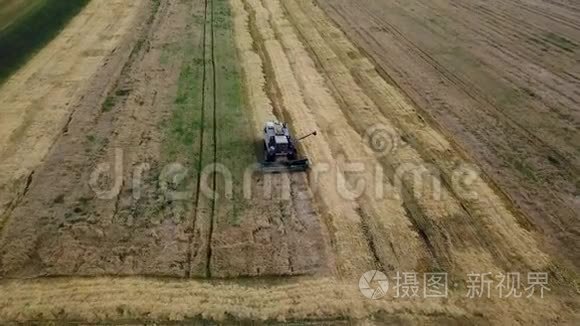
x: 295, y: 65
x: 500, y: 78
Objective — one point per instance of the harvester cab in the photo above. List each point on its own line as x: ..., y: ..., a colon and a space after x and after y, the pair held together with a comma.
x: 280, y: 150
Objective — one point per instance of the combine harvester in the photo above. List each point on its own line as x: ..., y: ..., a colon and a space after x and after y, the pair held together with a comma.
x: 280, y: 150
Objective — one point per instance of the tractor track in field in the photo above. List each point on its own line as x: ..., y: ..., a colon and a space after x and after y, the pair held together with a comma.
x: 208, y: 17
x: 200, y: 149
x: 215, y: 146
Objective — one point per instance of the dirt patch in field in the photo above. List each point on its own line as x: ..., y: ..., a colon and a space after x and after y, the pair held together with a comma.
x: 501, y: 79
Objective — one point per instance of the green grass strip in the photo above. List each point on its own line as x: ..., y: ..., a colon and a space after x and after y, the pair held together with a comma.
x: 236, y: 144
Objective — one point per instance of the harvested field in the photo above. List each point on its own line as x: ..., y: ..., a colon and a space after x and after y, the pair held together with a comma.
x: 97, y: 225
x: 501, y: 79
x: 141, y: 198
x: 37, y: 102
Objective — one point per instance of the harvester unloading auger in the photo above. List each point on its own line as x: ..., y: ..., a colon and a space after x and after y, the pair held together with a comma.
x: 280, y: 149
